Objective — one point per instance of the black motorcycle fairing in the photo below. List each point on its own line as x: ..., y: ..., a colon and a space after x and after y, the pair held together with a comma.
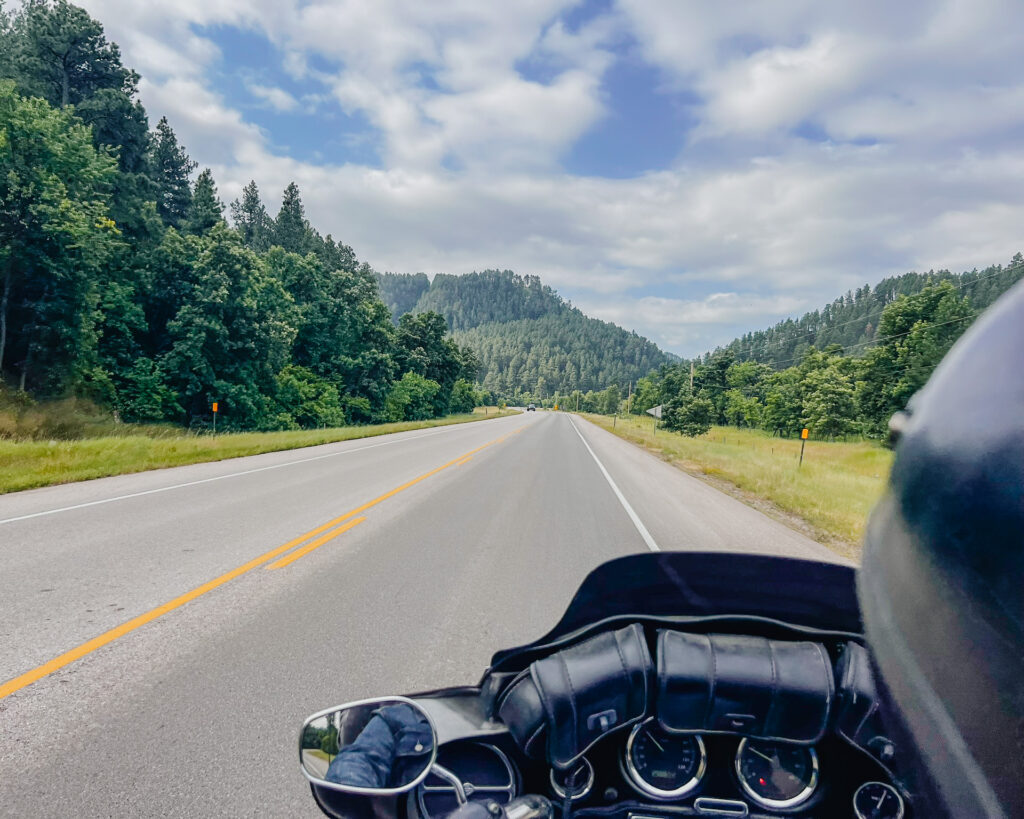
x: 736, y: 684
x: 799, y: 593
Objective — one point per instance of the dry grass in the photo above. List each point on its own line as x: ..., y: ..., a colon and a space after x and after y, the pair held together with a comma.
x: 833, y: 491
x: 31, y: 464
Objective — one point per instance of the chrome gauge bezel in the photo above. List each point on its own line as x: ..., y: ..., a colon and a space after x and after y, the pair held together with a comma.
x: 899, y: 798
x: 512, y: 789
x: 776, y: 804
x: 560, y: 791
x: 642, y: 786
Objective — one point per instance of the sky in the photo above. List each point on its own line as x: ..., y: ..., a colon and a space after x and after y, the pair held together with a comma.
x: 689, y: 170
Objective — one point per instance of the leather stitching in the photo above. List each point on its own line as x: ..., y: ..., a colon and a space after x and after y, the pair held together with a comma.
x: 713, y: 681
x: 625, y: 675
x: 773, y: 698
x: 828, y: 686
x: 572, y: 703
x: 544, y: 701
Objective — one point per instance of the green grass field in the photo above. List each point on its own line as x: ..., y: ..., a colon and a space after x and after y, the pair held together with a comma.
x: 31, y: 464
x: 833, y: 491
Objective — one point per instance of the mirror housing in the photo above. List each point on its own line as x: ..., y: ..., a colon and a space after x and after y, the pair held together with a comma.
x: 375, y: 747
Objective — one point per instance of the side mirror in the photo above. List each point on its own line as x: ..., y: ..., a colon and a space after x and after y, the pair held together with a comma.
x: 374, y: 747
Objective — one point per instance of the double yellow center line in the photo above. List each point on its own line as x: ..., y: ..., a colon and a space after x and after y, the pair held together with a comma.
x: 349, y: 519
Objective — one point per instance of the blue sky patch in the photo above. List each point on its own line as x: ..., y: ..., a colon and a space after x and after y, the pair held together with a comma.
x: 645, y: 129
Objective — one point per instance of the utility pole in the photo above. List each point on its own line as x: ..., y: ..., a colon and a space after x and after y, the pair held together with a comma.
x: 577, y: 400
x: 629, y: 397
x: 691, y: 376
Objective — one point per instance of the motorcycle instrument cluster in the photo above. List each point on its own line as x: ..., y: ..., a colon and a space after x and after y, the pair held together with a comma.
x: 723, y: 714
x: 661, y: 765
x: 776, y: 775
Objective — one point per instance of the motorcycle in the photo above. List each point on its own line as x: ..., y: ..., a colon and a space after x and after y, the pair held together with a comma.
x: 676, y: 684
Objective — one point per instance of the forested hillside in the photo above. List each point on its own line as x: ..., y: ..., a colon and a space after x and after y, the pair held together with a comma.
x: 122, y: 282
x: 536, y: 358
x: 530, y: 343
x: 842, y: 371
x: 853, y: 320
x: 401, y: 291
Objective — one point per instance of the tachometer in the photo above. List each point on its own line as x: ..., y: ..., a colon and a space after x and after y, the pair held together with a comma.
x: 663, y: 765
x: 776, y: 774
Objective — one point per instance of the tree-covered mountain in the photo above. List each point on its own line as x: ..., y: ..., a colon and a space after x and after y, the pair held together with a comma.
x: 401, y: 291
x: 530, y: 342
x: 852, y: 321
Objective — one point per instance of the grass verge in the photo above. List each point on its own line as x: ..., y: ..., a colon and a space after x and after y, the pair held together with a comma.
x: 828, y: 498
x: 32, y: 464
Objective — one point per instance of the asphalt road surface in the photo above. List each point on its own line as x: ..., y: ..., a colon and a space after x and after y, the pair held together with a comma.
x: 163, y: 635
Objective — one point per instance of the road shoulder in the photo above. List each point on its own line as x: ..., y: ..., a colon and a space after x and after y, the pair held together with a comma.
x: 662, y: 489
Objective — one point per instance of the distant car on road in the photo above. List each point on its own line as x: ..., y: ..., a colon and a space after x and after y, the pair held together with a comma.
x: 531, y: 408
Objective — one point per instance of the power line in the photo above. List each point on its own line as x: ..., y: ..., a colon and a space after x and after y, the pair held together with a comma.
x: 883, y: 339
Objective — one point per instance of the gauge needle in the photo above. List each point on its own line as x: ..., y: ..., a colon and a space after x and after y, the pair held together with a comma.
x: 881, y: 799
x: 763, y: 756
x: 657, y: 744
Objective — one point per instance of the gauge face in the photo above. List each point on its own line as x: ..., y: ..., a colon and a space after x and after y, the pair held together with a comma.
x: 876, y: 800
x: 662, y: 765
x: 776, y: 774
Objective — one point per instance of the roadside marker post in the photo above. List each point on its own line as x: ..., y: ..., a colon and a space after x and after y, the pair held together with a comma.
x: 215, y: 406
x: 656, y: 413
x: 803, y: 440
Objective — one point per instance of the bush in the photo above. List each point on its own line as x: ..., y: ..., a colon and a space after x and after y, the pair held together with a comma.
x: 412, y: 398
x: 307, y: 400
x: 690, y: 415
x: 66, y: 419
x: 464, y: 397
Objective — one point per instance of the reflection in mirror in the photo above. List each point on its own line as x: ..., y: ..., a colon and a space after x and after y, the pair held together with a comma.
x: 371, y: 746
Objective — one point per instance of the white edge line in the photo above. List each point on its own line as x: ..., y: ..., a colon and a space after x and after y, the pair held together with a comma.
x: 445, y: 428
x: 651, y: 544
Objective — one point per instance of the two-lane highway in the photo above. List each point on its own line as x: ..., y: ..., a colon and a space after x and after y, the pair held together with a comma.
x: 163, y: 635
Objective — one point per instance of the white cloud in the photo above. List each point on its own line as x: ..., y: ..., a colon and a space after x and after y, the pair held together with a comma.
x: 680, y: 323
x: 748, y: 225
x: 276, y: 98
x: 917, y: 72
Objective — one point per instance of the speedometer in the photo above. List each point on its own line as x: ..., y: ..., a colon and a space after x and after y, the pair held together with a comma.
x: 776, y: 774
x: 663, y: 765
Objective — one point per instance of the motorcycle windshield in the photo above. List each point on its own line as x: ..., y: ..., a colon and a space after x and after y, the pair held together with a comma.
x: 711, y: 584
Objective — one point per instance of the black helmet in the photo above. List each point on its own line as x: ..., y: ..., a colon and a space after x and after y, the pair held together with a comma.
x: 942, y: 582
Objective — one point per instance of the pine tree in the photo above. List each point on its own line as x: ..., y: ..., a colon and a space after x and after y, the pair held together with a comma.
x: 206, y: 210
x: 251, y: 220
x: 60, y: 53
x: 171, y: 167
x: 291, y: 230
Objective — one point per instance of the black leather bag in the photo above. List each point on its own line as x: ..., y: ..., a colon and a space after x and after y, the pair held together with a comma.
x: 579, y: 695
x: 735, y: 684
